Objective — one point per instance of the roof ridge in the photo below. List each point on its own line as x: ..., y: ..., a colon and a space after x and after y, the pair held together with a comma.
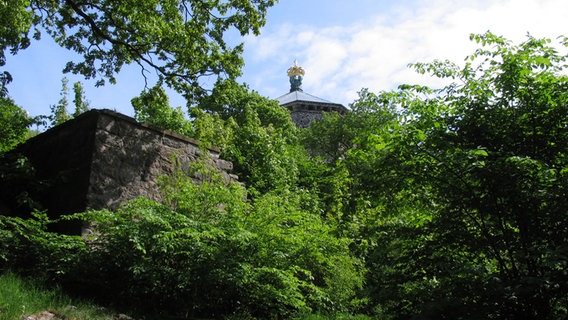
x: 301, y: 96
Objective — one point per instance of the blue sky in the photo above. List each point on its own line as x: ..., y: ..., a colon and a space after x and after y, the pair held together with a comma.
x: 344, y: 46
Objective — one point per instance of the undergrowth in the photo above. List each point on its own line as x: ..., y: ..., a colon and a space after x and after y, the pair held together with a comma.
x: 20, y: 297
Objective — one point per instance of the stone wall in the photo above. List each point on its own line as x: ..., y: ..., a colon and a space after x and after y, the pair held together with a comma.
x: 303, y: 113
x: 102, y: 158
x: 304, y: 118
x: 128, y: 158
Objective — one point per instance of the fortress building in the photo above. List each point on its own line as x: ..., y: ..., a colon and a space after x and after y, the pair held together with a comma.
x: 305, y: 108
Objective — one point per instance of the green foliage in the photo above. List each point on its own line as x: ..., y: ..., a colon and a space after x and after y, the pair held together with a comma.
x: 210, y: 252
x: 344, y: 152
x: 210, y: 129
x: 153, y: 107
x: 419, y: 203
x: 262, y: 156
x: 334, y: 135
x: 254, y: 133
x: 14, y: 124
x: 15, y: 22
x: 480, y: 179
x: 207, y: 252
x: 21, y: 186
x: 79, y: 100
x: 181, y: 41
x: 455, y: 197
x: 21, y: 297
x: 505, y: 160
x: 230, y: 99
x: 59, y: 112
x: 30, y: 249
x: 338, y: 316
x: 292, y: 238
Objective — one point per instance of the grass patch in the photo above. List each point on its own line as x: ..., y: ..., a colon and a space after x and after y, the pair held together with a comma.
x: 19, y: 297
x: 22, y: 296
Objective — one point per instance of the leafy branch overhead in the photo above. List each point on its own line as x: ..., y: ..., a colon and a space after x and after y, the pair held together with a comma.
x: 180, y: 41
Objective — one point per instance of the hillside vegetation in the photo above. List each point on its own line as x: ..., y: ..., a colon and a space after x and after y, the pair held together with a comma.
x: 419, y: 203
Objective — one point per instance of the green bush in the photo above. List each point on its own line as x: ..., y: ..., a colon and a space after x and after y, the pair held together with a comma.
x: 210, y: 252
x: 206, y: 252
x: 27, y: 246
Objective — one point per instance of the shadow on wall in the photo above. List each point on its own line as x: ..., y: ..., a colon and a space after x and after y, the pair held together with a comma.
x: 95, y: 161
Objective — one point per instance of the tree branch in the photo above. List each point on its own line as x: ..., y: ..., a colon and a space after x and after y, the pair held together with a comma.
x: 138, y: 56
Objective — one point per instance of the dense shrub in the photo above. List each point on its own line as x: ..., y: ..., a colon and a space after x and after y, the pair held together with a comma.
x: 27, y: 246
x: 208, y: 251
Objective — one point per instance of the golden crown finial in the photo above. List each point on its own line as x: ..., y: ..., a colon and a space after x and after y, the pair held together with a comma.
x: 296, y: 70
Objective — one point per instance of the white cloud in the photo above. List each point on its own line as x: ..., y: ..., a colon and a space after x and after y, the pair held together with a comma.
x: 341, y: 60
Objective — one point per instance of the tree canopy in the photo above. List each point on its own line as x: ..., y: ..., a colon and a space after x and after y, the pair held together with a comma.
x: 459, y: 202
x: 180, y: 41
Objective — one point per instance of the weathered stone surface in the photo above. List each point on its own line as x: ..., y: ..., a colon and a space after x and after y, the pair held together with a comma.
x: 304, y: 112
x: 102, y: 158
x: 45, y: 315
x: 304, y: 118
